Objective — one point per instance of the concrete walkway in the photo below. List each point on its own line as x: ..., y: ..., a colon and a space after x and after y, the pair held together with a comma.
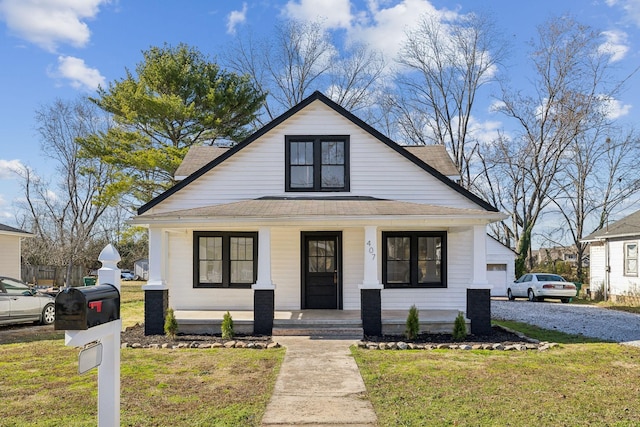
x: 319, y: 384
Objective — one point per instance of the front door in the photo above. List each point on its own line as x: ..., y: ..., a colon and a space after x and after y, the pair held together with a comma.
x: 321, y: 270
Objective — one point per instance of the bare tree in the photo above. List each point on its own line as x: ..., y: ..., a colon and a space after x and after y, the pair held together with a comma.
x: 447, y: 63
x: 599, y: 175
x: 300, y: 58
x: 566, y: 96
x: 65, y: 218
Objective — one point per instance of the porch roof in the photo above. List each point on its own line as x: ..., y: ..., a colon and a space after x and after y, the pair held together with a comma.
x: 314, y: 209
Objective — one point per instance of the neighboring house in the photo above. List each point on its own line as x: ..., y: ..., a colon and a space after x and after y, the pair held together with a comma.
x: 568, y: 254
x: 317, y: 210
x: 613, y: 267
x: 501, y: 267
x: 10, y: 250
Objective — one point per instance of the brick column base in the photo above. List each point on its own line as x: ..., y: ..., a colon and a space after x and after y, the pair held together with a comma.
x: 155, y: 310
x: 263, y: 308
x: 371, y: 312
x: 479, y: 311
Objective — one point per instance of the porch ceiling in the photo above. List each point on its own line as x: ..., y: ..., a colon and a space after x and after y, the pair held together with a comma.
x: 305, y: 209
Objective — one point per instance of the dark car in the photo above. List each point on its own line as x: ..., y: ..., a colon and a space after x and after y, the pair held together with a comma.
x: 19, y: 303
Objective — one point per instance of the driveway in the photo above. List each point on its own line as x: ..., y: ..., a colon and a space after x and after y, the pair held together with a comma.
x: 587, y: 320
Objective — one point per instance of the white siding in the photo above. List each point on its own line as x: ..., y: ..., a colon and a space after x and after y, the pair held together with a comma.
x: 497, y: 253
x: 259, y: 169
x: 597, y: 266
x: 619, y: 284
x: 10, y: 256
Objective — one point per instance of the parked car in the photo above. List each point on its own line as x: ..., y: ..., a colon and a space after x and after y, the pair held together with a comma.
x: 538, y: 286
x: 20, y: 303
x: 127, y: 275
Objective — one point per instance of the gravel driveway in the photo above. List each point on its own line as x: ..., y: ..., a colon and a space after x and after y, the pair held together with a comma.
x: 586, y: 320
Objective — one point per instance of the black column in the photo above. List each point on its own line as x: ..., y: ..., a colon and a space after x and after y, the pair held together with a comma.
x: 155, y: 309
x: 263, y: 308
x: 371, y: 312
x: 479, y: 310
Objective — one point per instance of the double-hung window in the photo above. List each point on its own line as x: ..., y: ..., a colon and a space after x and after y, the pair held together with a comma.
x: 317, y: 163
x: 631, y: 259
x: 414, y: 259
x: 225, y: 259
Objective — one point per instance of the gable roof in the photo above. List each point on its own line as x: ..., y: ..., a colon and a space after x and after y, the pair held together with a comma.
x: 5, y: 229
x: 317, y: 96
x: 436, y: 156
x: 625, y: 227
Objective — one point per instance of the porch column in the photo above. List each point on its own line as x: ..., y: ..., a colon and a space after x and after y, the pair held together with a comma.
x: 370, y: 298
x: 263, y: 289
x: 479, y: 292
x: 156, y: 291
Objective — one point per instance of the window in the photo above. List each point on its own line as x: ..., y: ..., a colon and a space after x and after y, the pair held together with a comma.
x: 631, y: 259
x: 317, y: 163
x: 225, y: 260
x: 414, y: 259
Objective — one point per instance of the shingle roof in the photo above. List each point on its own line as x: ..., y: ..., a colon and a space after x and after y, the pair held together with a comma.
x: 7, y: 229
x: 627, y: 226
x: 317, y: 207
x: 435, y: 156
x: 197, y: 157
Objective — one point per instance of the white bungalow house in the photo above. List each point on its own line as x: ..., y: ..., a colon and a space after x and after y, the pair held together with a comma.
x: 613, y: 258
x: 316, y: 211
x: 10, y: 249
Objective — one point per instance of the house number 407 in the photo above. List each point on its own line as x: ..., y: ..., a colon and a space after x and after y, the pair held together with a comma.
x: 371, y: 249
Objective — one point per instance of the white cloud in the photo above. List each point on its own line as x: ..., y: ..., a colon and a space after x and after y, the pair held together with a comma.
x: 631, y: 9
x: 48, y: 23
x: 485, y: 132
x: 616, y: 44
x: 614, y: 108
x: 8, y: 168
x: 235, y: 18
x: 332, y: 13
x: 79, y: 75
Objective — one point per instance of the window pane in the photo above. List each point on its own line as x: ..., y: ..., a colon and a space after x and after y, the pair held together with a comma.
x: 398, y: 272
x: 210, y: 271
x: 333, y: 152
x: 332, y: 176
x: 301, y: 176
x: 301, y: 153
x: 211, y: 248
x: 399, y: 248
x: 241, y: 248
x: 241, y: 271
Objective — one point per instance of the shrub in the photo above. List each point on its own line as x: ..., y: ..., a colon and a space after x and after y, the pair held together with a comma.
x: 413, y: 324
x: 227, y: 326
x: 170, y: 324
x: 459, y: 328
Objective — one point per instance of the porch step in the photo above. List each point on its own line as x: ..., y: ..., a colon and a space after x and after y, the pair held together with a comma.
x: 318, y: 327
x: 319, y: 332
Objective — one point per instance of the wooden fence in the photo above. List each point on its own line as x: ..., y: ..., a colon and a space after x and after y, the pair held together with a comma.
x: 46, y: 275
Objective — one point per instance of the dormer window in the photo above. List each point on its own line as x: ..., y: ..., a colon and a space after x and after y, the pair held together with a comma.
x: 317, y: 163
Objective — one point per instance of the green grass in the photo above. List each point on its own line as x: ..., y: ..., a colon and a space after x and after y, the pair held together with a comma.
x: 580, y: 383
x: 40, y: 386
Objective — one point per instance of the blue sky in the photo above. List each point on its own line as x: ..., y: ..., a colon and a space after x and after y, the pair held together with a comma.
x: 54, y: 49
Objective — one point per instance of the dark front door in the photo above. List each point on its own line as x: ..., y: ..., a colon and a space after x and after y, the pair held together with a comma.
x: 321, y: 270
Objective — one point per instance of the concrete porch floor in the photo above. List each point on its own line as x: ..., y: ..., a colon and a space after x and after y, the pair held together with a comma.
x: 307, y: 322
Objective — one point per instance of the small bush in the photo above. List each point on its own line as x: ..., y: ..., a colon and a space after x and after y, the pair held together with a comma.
x: 227, y: 326
x: 459, y: 328
x: 170, y: 324
x: 413, y: 324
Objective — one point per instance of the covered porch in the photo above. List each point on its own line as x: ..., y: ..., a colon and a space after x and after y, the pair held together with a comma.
x: 314, y: 322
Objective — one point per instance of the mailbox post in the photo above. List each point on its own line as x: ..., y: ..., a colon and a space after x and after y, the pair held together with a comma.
x: 93, y: 314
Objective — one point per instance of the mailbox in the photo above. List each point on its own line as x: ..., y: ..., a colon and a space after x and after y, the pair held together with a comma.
x: 84, y: 308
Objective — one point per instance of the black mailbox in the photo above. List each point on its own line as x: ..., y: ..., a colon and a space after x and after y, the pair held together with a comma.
x: 84, y: 308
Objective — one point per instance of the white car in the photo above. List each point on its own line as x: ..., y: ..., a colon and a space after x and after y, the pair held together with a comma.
x: 538, y: 286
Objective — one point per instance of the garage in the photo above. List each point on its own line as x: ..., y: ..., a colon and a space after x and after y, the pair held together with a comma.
x: 500, y: 267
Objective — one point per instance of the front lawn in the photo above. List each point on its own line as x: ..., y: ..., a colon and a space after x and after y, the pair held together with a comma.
x: 579, y: 383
